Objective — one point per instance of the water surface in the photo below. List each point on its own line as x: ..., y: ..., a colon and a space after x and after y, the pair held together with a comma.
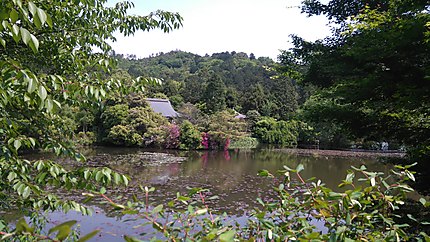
x: 231, y: 175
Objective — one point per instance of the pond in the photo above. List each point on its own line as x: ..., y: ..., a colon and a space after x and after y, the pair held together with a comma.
x: 231, y: 175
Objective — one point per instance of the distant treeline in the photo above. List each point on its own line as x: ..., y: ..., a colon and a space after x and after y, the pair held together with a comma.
x: 223, y: 80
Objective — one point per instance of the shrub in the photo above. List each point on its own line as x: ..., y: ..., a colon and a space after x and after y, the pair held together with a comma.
x: 218, y: 140
x: 225, y: 122
x: 270, y: 131
x: 172, y: 139
x: 124, y: 135
x: 143, y: 118
x: 190, y: 137
x: 155, y: 136
x: 85, y: 138
x: 114, y: 115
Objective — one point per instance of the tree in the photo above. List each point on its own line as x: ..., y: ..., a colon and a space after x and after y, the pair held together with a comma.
x: 285, y: 98
x: 375, y: 69
x: 46, y: 62
x: 255, y: 98
x: 215, y: 94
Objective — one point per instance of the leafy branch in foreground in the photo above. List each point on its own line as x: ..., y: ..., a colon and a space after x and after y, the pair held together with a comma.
x: 369, y: 207
x: 48, y: 62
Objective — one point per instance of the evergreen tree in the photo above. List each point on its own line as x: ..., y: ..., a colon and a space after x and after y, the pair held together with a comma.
x: 215, y: 94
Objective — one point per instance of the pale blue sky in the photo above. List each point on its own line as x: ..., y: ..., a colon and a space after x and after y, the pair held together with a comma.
x: 261, y: 27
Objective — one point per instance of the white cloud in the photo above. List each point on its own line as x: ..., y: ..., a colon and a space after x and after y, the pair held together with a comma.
x: 257, y: 26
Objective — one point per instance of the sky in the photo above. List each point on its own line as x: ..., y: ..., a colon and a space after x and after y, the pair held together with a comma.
x: 261, y: 27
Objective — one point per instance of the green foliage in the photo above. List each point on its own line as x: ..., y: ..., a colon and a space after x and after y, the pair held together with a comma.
x: 156, y: 136
x: 215, y: 94
x: 225, y: 122
x: 190, y: 137
x: 373, y: 70
x: 115, y: 115
x: 246, y: 83
x: 130, y: 121
x: 243, y: 143
x: 270, y: 131
x: 252, y: 117
x: 367, y: 206
x: 319, y: 113
x: 47, y: 64
x: 85, y: 138
x: 124, y: 135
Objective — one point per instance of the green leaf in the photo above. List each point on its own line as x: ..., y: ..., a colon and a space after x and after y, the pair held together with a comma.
x: 99, y: 175
x: 15, y: 33
x: 17, y: 144
x: 22, y: 226
x: 86, y: 174
x: 350, y: 177
x: 300, y: 168
x: 32, y: 8
x: 25, y: 35
x: 32, y: 141
x: 3, y: 42
x: 58, y: 104
x: 125, y: 180
x: 102, y: 190
x: 373, y: 181
x: 201, y: 211
x: 63, y: 229
x: 36, y: 21
x: 49, y: 21
x: 227, y: 236
x: 13, y: 15
x: 11, y: 176
x: 42, y: 16
x: 31, y: 85
x: 116, y: 178
x: 34, y: 44
x: 157, y: 209
x: 26, y: 192
x: 264, y: 173
x: 131, y: 239
x: 49, y: 104
x: 88, y: 236
x: 42, y: 93
x: 335, y: 195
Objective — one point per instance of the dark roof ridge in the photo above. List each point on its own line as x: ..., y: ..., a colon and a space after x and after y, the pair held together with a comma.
x: 158, y: 99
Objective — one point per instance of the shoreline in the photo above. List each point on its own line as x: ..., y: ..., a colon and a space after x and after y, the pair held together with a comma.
x: 344, y: 153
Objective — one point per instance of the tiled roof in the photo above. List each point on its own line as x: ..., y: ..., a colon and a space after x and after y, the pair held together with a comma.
x: 162, y: 106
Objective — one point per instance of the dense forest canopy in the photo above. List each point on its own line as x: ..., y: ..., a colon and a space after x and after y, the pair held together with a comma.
x: 236, y: 80
x: 373, y: 70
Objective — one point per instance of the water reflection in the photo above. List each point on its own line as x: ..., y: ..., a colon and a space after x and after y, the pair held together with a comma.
x: 232, y: 175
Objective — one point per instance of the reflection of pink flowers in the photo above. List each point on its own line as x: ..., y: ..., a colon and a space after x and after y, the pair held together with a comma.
x: 205, y: 159
x: 227, y: 143
x: 205, y: 140
x: 227, y: 155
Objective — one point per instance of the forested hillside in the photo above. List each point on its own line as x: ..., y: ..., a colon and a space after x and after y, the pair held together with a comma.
x: 222, y: 80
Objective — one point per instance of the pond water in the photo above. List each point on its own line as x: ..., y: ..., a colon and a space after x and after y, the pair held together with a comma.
x: 231, y: 175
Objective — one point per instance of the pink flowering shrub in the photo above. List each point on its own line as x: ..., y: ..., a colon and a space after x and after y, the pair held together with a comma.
x: 205, y: 140
x: 215, y: 140
x: 172, y: 139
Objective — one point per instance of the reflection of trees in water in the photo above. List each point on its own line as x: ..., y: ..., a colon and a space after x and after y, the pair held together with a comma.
x: 231, y: 176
